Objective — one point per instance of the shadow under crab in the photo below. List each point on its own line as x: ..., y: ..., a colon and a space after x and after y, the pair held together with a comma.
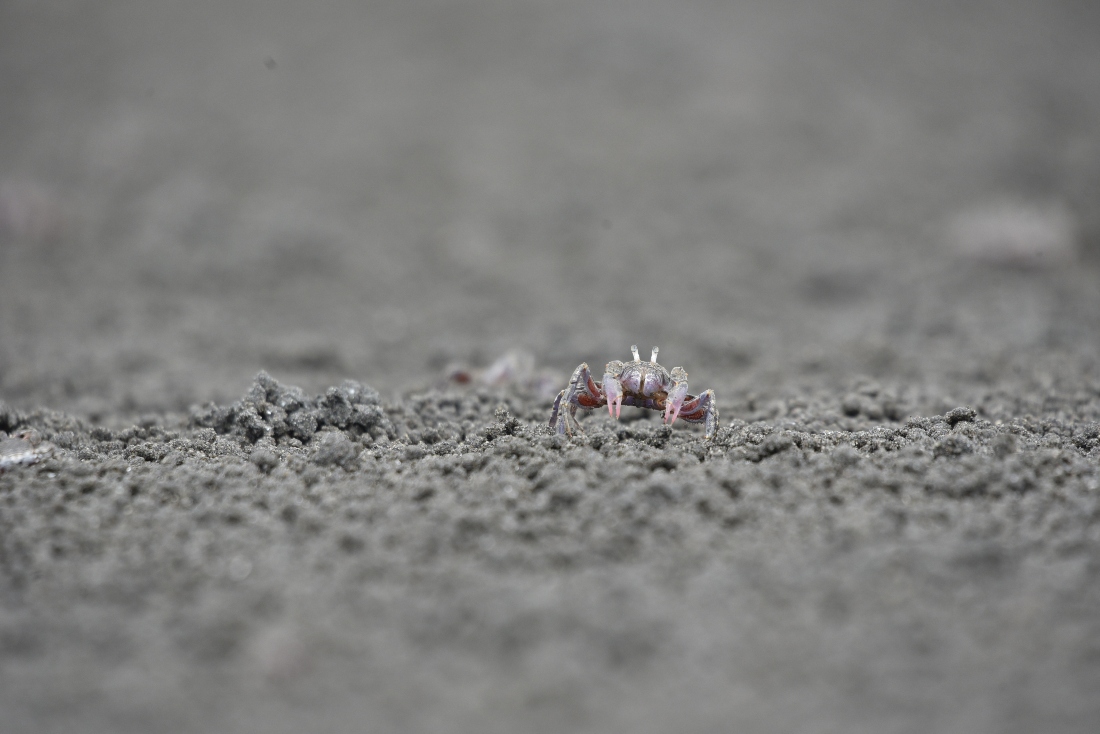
x: 641, y: 384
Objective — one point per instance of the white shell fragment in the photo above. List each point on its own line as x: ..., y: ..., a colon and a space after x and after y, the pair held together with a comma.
x: 23, y: 449
x: 1015, y: 232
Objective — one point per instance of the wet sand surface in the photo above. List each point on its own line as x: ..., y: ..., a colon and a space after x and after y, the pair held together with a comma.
x: 247, y: 248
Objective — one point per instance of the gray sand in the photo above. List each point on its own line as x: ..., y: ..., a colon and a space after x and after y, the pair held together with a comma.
x: 246, y: 247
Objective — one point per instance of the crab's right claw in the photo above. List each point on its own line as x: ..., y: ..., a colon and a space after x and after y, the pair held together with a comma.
x: 613, y: 391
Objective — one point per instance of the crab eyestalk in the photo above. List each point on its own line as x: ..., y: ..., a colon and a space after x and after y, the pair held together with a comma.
x: 676, y: 395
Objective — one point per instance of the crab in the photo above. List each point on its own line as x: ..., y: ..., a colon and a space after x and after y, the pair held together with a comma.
x: 637, y: 383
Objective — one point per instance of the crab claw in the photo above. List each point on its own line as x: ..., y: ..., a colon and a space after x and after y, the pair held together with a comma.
x: 613, y: 389
x: 675, y: 400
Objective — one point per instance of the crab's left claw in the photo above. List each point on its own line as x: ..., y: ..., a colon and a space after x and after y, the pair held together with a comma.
x: 676, y: 395
x: 674, y: 402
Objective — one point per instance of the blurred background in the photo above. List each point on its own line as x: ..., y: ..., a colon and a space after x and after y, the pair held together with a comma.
x: 842, y: 212
x: 784, y: 195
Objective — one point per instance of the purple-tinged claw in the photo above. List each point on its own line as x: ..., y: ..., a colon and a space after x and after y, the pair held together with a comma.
x: 675, y: 401
x: 613, y: 390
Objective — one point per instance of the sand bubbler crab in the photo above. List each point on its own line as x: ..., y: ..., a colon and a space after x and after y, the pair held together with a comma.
x: 637, y: 383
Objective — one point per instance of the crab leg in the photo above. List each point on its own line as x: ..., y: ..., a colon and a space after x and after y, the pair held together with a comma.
x: 582, y: 392
x: 702, y: 409
x: 557, y: 407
